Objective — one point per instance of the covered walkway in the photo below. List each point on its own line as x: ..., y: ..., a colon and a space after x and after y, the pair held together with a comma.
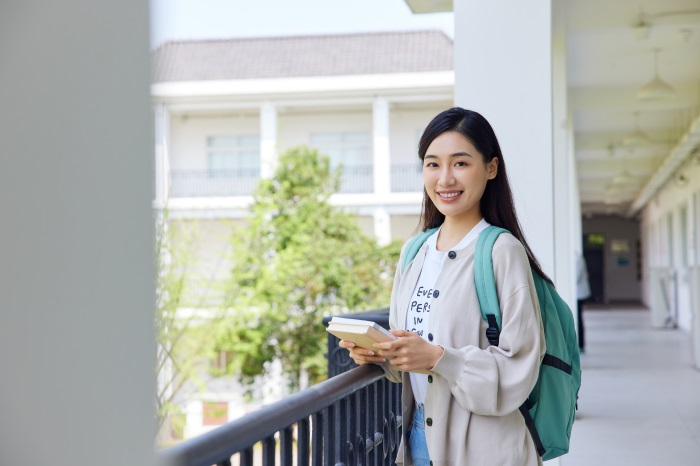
x: 640, y: 399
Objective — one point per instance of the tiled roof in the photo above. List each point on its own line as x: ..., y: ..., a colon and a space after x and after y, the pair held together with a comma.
x: 296, y: 56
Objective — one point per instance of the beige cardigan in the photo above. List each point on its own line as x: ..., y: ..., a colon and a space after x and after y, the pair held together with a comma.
x: 476, y: 389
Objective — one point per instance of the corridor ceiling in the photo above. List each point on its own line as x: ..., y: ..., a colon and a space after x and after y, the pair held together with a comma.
x: 610, y: 55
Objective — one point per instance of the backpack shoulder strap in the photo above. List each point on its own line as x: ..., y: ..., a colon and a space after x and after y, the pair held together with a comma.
x: 485, y: 281
x: 414, y: 245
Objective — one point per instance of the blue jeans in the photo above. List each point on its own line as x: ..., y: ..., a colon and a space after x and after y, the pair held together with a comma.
x: 415, y: 437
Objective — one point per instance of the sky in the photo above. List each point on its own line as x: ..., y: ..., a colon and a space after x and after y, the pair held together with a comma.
x: 215, y: 19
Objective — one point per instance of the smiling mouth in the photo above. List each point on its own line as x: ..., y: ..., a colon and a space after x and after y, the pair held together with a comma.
x: 450, y: 195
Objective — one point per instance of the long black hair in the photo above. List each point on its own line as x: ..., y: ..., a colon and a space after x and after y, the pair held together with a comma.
x: 497, y: 202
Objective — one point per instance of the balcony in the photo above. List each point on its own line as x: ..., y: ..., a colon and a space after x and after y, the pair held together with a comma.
x: 355, y: 179
x: 353, y: 418
x: 406, y: 178
x: 214, y: 183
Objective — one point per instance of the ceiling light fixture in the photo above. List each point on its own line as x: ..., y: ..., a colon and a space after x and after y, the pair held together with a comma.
x: 624, y: 180
x: 657, y: 88
x: 636, y: 138
x: 684, y: 34
x: 641, y: 29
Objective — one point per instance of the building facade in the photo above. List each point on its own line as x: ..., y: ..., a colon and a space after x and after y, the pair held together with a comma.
x: 224, y: 111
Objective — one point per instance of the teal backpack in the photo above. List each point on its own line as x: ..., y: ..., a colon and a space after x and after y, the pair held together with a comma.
x: 550, y: 408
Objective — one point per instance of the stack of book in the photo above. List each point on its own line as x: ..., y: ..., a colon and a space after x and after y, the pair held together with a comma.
x: 363, y: 333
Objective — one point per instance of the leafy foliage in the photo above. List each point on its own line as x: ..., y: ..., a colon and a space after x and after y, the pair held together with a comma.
x: 299, y: 260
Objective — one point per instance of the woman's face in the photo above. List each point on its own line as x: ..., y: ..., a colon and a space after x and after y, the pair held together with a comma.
x: 455, y: 176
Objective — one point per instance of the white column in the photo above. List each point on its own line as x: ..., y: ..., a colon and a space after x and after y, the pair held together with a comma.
x: 694, y: 261
x: 162, y: 161
x: 194, y: 416
x: 268, y: 140
x: 503, y: 70
x: 380, y: 145
x: 575, y: 221
x: 382, y: 166
x: 695, y: 312
x: 76, y: 268
x: 382, y: 226
x: 567, y: 243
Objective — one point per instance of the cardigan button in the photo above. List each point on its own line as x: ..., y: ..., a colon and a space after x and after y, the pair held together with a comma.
x: 451, y: 254
x: 430, y: 379
x: 436, y: 293
x: 429, y: 421
x: 430, y: 337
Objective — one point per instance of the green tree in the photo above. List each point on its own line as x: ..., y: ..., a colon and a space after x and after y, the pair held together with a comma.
x: 184, y: 345
x: 300, y: 259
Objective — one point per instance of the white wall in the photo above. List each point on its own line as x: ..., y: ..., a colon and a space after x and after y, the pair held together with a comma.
x: 671, y: 247
x: 296, y: 128
x: 621, y: 283
x: 206, y: 245
x: 406, y: 129
x: 76, y: 256
x: 404, y: 226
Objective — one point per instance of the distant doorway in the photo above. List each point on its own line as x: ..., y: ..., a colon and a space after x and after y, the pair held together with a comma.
x: 594, y: 253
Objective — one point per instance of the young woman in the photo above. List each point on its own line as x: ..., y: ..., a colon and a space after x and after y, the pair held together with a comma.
x: 460, y: 395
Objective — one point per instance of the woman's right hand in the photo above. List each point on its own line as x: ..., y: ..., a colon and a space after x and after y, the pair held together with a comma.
x: 361, y: 356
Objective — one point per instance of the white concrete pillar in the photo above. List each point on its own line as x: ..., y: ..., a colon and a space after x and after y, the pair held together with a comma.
x: 694, y: 261
x: 382, y: 166
x: 194, y: 418
x: 382, y: 226
x: 380, y: 144
x: 268, y: 140
x: 76, y: 268
x: 564, y: 204
x: 695, y: 312
x: 575, y: 227
x: 504, y: 70
x: 162, y: 161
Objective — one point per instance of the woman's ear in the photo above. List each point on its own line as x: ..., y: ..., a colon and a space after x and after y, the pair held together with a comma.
x: 492, y: 168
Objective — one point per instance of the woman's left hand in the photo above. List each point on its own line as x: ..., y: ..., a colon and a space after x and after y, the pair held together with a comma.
x: 409, y: 352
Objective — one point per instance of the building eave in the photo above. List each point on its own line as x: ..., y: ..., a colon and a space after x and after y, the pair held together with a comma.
x: 302, y: 85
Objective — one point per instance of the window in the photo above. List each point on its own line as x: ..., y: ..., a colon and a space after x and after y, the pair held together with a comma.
x: 233, y: 156
x: 350, y: 149
x: 353, y: 151
x: 219, y: 364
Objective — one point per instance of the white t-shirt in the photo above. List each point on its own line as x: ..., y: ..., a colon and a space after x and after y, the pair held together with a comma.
x: 418, y: 315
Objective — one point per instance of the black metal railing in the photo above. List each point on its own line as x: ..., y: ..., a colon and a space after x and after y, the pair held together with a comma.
x: 207, y: 183
x: 406, y: 178
x: 349, y: 420
x: 338, y: 359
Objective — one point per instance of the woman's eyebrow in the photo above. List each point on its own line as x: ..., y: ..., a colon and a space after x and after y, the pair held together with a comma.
x: 456, y: 154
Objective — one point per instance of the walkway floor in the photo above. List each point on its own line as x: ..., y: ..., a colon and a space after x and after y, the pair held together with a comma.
x: 639, y: 402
